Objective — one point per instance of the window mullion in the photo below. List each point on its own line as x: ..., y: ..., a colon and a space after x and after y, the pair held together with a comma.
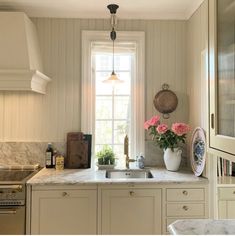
x: 112, y: 117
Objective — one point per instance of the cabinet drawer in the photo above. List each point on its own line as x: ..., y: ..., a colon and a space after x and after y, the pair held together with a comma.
x: 185, y: 194
x: 227, y: 193
x: 185, y: 209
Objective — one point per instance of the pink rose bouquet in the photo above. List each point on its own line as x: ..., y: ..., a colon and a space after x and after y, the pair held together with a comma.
x: 165, y: 137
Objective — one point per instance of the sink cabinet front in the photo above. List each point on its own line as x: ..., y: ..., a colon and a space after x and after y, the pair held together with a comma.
x: 131, y: 211
x: 64, y: 211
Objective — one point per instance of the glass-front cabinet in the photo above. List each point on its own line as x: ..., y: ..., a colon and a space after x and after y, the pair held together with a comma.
x: 222, y: 75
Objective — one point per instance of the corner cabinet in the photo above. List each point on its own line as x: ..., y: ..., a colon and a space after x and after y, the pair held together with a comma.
x: 130, y: 211
x: 226, y: 203
x: 222, y: 77
x: 57, y: 210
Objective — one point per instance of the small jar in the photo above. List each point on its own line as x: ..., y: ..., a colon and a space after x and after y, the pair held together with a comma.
x: 59, y: 162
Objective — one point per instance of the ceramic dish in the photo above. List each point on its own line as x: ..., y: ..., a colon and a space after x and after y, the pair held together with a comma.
x: 105, y: 167
x: 198, y: 151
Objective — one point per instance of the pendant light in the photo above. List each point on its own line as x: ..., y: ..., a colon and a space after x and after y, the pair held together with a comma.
x: 113, y: 79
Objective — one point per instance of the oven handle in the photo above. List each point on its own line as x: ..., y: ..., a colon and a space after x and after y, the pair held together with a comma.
x: 11, y: 186
x: 7, y: 212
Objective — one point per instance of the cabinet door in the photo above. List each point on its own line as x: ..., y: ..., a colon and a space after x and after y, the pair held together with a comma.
x: 136, y: 211
x: 222, y: 75
x: 227, y: 209
x: 64, y: 212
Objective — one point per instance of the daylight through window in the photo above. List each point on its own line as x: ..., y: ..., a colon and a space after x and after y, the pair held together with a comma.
x: 113, y: 104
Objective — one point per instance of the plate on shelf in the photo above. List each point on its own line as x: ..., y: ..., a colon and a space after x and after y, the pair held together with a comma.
x: 198, y: 151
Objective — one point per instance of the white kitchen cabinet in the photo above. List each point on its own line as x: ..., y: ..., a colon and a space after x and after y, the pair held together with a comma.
x: 221, y: 78
x: 185, y: 202
x: 226, y: 203
x: 120, y: 208
x: 64, y: 211
x: 131, y: 211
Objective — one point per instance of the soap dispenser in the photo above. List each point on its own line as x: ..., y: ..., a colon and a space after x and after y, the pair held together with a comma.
x: 140, y: 161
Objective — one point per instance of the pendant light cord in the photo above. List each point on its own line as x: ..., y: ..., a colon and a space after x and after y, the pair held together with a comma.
x: 113, y: 55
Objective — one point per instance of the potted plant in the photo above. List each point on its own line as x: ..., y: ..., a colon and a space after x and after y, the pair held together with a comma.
x: 106, y: 158
x: 168, y: 139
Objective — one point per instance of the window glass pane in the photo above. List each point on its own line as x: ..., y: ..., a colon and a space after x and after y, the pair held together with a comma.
x: 123, y: 88
x: 121, y: 128
x: 99, y: 147
x: 103, y: 132
x: 103, y: 107
x: 119, y: 155
x: 101, y: 87
x: 226, y: 68
x: 104, y: 61
x: 122, y: 62
x: 122, y: 107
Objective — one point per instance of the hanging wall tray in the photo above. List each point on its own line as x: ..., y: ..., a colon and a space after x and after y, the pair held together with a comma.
x: 165, y: 101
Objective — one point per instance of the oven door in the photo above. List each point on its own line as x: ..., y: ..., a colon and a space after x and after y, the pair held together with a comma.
x: 12, y: 220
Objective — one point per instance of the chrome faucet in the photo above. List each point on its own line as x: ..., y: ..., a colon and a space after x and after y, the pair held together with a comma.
x: 126, y: 152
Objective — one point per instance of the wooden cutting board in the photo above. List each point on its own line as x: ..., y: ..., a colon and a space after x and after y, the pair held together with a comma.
x: 78, y: 150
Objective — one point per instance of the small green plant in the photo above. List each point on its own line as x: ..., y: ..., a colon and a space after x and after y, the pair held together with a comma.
x: 106, y: 156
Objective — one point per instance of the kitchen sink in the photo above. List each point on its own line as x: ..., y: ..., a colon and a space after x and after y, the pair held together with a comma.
x: 128, y: 174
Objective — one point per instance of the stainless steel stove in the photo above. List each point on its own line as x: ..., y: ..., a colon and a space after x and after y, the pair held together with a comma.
x: 13, y: 200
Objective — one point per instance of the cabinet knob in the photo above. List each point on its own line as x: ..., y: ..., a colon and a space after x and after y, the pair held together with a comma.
x: 132, y: 193
x: 233, y: 192
x: 64, y: 194
x: 185, y: 192
x: 185, y: 208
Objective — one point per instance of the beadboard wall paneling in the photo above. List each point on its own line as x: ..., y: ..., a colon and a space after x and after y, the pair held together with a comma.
x: 197, y: 52
x: 26, y: 116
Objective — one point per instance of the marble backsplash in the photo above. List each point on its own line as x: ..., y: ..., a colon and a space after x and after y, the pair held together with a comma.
x: 31, y: 153
x: 26, y: 153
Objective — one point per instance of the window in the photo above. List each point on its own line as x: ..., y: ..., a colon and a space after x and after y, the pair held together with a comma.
x: 112, y: 104
x: 109, y: 113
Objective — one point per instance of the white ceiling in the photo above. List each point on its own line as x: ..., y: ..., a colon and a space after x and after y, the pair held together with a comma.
x: 129, y: 9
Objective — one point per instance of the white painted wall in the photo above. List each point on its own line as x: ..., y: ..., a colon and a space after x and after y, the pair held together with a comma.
x: 32, y: 117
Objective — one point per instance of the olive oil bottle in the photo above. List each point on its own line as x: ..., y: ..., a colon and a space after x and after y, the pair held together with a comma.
x: 49, y: 156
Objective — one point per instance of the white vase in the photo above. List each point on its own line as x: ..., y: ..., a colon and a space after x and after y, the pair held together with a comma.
x: 172, y: 159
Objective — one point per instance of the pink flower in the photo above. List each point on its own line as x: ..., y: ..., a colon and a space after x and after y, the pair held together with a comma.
x: 146, y: 125
x: 154, y: 121
x: 161, y: 129
x: 180, y: 128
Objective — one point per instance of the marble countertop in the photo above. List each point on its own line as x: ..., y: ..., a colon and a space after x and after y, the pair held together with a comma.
x: 89, y: 176
x: 202, y: 227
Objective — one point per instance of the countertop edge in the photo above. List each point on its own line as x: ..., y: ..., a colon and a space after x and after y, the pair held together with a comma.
x: 92, y: 177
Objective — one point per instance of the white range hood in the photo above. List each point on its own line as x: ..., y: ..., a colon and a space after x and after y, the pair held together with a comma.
x: 20, y: 60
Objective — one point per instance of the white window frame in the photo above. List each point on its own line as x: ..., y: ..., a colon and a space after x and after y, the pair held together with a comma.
x: 137, y: 89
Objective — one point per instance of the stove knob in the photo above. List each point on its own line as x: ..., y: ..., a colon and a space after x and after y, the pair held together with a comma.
x: 1, y: 191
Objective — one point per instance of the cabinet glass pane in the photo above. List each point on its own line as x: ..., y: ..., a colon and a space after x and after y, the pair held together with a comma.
x: 226, y: 66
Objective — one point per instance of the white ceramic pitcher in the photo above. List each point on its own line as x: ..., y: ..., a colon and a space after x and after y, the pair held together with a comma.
x: 172, y: 159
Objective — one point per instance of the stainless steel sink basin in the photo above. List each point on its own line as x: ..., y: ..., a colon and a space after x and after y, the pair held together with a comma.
x: 128, y: 174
